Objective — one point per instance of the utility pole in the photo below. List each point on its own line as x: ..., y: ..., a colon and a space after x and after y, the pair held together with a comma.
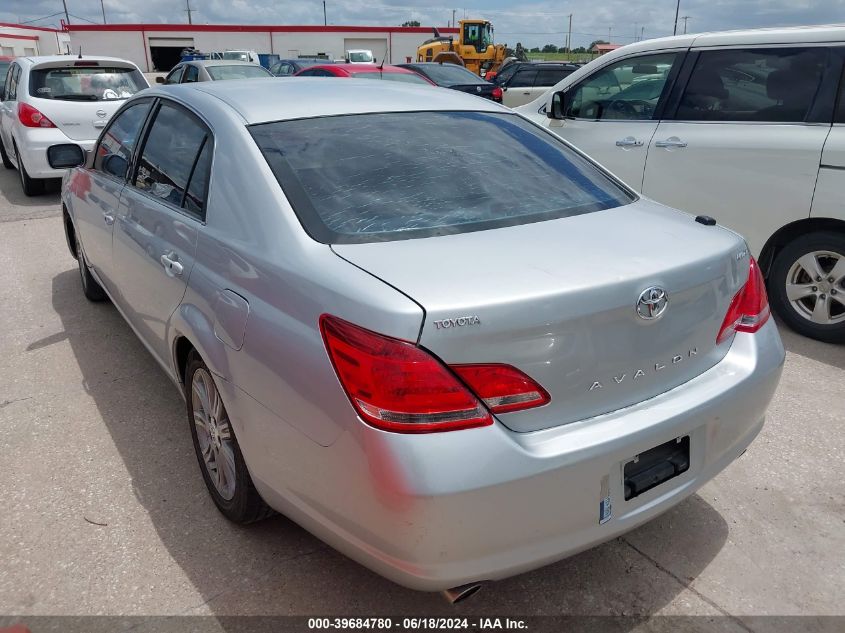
x: 677, y: 9
x: 454, y: 24
x: 685, y: 18
x: 189, y: 10
x: 642, y: 31
x: 609, y: 30
x: 103, y: 7
x: 569, y: 36
x: 325, y: 20
x: 67, y: 17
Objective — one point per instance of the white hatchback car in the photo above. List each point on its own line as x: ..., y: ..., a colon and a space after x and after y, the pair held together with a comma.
x: 56, y: 100
x: 744, y: 126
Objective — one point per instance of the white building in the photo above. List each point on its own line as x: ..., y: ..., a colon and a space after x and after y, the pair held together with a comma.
x: 17, y: 40
x: 157, y: 47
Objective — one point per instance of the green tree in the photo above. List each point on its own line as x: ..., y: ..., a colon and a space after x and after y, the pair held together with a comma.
x: 549, y: 48
x: 411, y: 23
x: 536, y: 49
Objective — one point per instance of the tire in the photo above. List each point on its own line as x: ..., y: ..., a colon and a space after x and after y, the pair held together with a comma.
x: 30, y: 186
x: 90, y: 288
x: 795, y: 293
x: 230, y: 486
x: 8, y: 164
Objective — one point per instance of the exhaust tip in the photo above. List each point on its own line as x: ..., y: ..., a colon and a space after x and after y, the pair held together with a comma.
x: 461, y: 593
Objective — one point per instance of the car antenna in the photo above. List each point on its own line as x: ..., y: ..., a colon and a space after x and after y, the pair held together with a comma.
x: 383, y: 59
x: 80, y: 52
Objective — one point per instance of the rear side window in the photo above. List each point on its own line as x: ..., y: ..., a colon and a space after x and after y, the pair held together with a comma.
x: 377, y: 177
x: 115, y: 149
x: 172, y: 150
x: 192, y: 75
x: 85, y: 83
x: 550, y: 76
x: 776, y: 85
x: 175, y: 75
x: 11, y: 88
x: 524, y: 78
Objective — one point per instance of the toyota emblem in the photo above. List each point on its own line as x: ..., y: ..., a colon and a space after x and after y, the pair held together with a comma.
x: 652, y: 303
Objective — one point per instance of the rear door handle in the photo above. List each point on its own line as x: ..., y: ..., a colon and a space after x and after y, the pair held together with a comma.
x: 172, y: 266
x: 672, y: 141
x: 629, y: 141
x: 108, y: 218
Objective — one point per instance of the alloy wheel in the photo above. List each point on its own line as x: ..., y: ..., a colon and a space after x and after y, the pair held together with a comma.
x: 214, y: 433
x: 815, y: 286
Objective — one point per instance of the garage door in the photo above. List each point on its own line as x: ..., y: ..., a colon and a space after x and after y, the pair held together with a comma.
x: 377, y: 45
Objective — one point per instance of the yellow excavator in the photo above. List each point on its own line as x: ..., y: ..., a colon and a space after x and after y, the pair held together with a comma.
x: 474, y: 48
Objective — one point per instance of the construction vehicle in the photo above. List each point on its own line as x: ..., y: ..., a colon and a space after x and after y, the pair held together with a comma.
x: 474, y: 48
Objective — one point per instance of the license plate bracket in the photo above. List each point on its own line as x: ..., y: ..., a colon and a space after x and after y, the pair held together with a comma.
x: 656, y: 466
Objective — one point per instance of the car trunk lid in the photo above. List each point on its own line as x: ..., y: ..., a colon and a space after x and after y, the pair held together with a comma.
x: 558, y: 300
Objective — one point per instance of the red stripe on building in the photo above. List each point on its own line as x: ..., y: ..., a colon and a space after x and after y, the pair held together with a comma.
x: 18, y: 37
x: 27, y: 27
x: 255, y: 28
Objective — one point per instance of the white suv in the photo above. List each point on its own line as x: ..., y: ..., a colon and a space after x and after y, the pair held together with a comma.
x: 57, y: 100
x: 744, y: 126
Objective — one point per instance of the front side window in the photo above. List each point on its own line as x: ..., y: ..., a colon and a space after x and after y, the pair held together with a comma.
x: 237, y: 71
x: 776, y: 85
x: 85, y: 83
x: 472, y: 35
x: 174, y: 76
x: 114, y: 152
x: 377, y: 177
x: 283, y: 70
x: 628, y: 90
x: 172, y: 149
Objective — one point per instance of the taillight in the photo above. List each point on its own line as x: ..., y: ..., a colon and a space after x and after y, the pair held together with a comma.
x: 503, y: 388
x: 397, y: 386
x: 497, y: 94
x: 749, y: 309
x: 31, y: 117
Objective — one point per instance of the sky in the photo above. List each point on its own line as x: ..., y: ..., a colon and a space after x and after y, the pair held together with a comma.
x: 531, y: 23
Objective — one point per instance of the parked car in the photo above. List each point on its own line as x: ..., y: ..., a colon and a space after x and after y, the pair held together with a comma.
x: 213, y: 70
x: 365, y: 71
x: 5, y: 62
x: 241, y: 56
x: 359, y: 56
x: 448, y: 377
x: 525, y: 81
x: 51, y: 100
x: 456, y: 78
x: 288, y: 67
x: 746, y: 126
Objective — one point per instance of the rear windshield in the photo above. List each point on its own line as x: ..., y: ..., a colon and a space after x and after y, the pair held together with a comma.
x: 361, y: 56
x: 85, y: 83
x: 233, y: 71
x: 451, y: 75
x: 408, y: 78
x: 392, y: 176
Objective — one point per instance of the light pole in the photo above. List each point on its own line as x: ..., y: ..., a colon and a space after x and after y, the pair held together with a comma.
x: 325, y: 20
x: 103, y: 7
x: 569, y: 37
x: 685, y: 18
x: 677, y: 9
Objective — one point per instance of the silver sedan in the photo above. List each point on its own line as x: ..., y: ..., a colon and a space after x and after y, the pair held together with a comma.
x: 213, y: 70
x: 421, y: 326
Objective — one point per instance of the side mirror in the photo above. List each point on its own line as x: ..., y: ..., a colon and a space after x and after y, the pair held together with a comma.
x: 159, y: 79
x: 65, y: 156
x: 116, y: 165
x: 557, y: 108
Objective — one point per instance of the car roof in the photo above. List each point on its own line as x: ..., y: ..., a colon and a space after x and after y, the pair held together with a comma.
x: 52, y: 59
x: 387, y: 68
x: 259, y: 101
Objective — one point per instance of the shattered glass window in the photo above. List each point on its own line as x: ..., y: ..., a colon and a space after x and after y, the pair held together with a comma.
x: 402, y: 175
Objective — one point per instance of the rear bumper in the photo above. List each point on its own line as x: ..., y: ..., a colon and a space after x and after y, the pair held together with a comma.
x: 32, y: 146
x: 436, y: 511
